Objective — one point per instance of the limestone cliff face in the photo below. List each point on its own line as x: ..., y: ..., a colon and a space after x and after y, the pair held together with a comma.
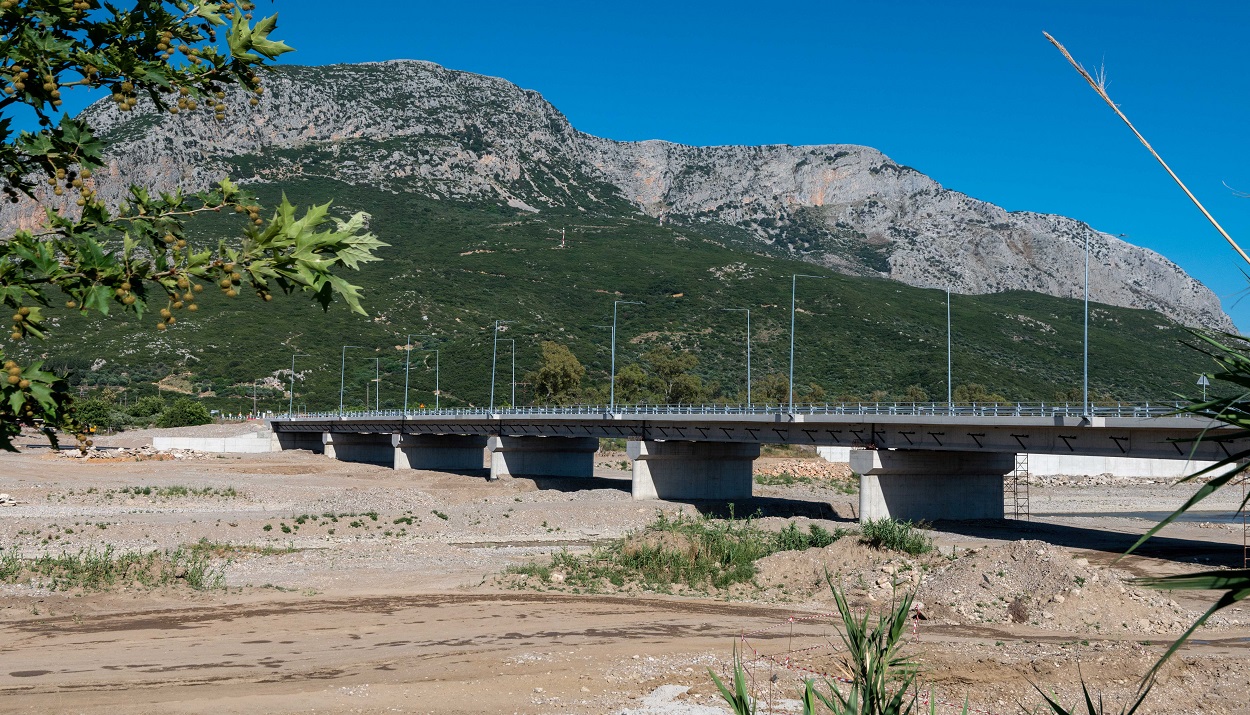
x: 417, y: 127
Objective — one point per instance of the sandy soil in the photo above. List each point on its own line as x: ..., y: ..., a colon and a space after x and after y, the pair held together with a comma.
x: 397, y: 601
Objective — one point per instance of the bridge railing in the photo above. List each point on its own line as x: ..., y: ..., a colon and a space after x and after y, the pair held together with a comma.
x: 915, y: 409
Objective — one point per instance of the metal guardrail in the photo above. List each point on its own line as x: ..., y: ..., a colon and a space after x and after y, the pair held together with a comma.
x: 913, y: 409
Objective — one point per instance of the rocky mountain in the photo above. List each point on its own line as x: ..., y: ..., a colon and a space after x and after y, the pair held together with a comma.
x: 406, y: 126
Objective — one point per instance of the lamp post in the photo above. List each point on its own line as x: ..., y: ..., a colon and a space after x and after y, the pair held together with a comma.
x: 342, y: 372
x: 794, y: 282
x: 748, y: 312
x: 612, y: 390
x: 949, y: 388
x: 1086, y: 380
x: 377, y: 385
x: 290, y: 409
x: 493, y: 354
x: 513, y: 341
x: 407, y: 363
x: 436, y: 388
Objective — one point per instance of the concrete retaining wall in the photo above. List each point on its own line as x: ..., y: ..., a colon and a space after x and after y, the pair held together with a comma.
x: 1045, y: 465
x: 250, y: 444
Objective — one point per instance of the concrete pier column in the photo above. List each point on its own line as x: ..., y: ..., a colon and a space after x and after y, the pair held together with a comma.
x: 438, y: 451
x: 916, y: 484
x: 367, y: 448
x: 692, y: 470
x: 542, y: 456
x: 310, y: 441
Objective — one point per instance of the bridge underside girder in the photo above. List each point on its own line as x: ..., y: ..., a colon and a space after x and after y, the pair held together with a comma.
x: 1161, y: 438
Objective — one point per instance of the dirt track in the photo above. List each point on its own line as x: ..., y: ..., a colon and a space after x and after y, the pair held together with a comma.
x: 368, y: 619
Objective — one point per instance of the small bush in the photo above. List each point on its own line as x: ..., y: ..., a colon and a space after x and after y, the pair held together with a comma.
x: 96, y: 569
x: 699, y: 552
x: 184, y: 412
x: 895, y: 536
x: 145, y: 407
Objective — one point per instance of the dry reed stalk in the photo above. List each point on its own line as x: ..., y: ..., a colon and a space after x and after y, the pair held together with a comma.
x: 1099, y: 85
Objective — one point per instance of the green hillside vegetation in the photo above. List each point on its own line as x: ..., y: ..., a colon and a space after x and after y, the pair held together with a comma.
x: 452, y: 270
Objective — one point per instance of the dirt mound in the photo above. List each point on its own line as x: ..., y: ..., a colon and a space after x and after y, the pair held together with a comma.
x: 664, y: 541
x: 803, y: 468
x: 1048, y: 587
x: 862, y: 572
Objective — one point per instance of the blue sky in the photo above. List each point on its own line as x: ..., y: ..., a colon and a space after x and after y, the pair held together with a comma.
x: 967, y: 92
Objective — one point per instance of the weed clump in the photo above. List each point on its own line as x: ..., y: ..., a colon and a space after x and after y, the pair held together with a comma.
x: 694, y: 552
x: 95, y: 569
x: 895, y: 536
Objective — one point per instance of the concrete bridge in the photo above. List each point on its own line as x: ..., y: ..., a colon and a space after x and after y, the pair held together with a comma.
x: 916, y: 461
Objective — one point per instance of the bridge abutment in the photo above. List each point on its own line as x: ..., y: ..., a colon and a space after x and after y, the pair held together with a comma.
x: 438, y: 451
x: 366, y: 448
x: 311, y: 441
x: 692, y: 470
x: 917, y: 484
x: 542, y: 456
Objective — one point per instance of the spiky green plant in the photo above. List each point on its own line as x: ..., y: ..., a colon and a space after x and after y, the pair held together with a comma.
x: 739, y: 698
x: 882, y: 678
x: 1099, y: 707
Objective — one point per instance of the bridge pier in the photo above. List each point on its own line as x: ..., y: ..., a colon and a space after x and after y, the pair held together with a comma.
x: 438, y: 451
x: 917, y: 484
x: 693, y: 470
x: 367, y: 448
x: 542, y: 456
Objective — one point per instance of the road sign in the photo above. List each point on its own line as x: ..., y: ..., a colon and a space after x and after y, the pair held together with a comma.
x: 1203, y: 381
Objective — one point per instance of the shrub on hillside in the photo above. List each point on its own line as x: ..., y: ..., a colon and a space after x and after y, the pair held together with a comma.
x: 184, y: 412
x: 149, y: 406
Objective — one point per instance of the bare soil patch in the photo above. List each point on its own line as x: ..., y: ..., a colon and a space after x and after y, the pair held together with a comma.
x: 353, y: 588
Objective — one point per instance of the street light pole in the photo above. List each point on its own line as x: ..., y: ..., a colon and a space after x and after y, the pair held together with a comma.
x: 612, y: 389
x: 1086, y: 385
x: 748, y: 312
x: 290, y: 409
x: 377, y: 385
x: 407, y: 363
x: 949, y: 388
x: 494, y: 353
x: 342, y: 372
x: 794, y: 282
x: 513, y: 341
x: 436, y: 388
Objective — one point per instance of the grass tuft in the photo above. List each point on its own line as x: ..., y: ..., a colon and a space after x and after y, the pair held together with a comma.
x: 895, y: 536
x: 95, y: 569
x: 696, y: 552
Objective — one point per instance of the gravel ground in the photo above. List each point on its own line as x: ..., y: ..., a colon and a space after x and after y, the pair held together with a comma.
x: 415, y: 557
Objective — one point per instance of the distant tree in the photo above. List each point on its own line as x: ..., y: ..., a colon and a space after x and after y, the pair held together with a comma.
x: 670, y: 380
x: 146, y: 407
x: 774, y: 389
x: 631, y: 384
x: 95, y: 412
x: 559, y: 375
x: 184, y: 412
x: 173, y: 56
x: 915, y: 393
x: 814, y: 393
x: 975, y: 392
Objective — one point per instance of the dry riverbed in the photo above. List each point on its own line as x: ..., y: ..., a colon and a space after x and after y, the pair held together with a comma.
x: 357, y: 589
